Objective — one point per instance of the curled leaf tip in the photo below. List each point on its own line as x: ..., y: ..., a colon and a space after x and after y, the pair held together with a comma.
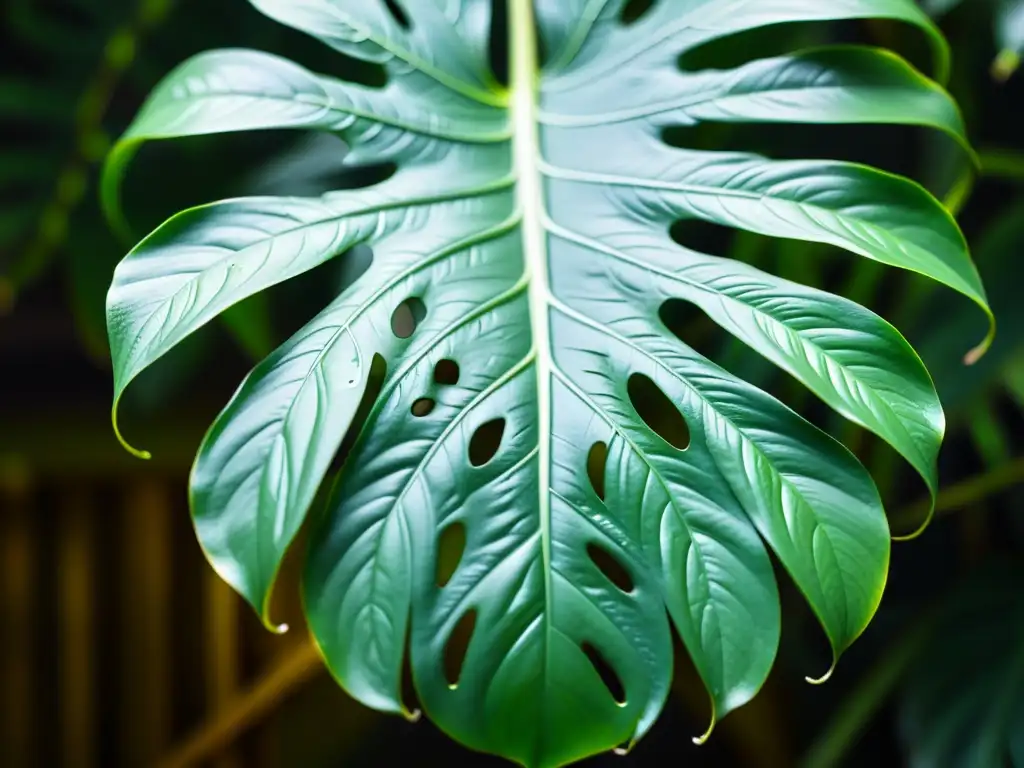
x: 700, y: 741
x: 277, y: 629
x: 979, y: 351
x: 623, y: 751
x: 917, y: 533
x: 144, y: 455
x: 827, y: 676
x: 411, y: 716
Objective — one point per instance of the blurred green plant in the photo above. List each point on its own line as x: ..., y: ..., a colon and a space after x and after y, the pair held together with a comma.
x: 963, y: 702
x: 1009, y: 31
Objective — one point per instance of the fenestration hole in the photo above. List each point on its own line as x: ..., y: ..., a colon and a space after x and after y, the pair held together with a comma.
x: 609, y: 565
x: 486, y: 441
x: 407, y: 317
x: 399, y: 14
x: 457, y: 647
x: 634, y: 10
x: 608, y: 675
x: 446, y: 373
x: 451, y: 545
x: 658, y: 412
x: 423, y: 407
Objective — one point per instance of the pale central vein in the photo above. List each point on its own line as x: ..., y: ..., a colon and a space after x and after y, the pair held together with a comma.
x: 524, y: 85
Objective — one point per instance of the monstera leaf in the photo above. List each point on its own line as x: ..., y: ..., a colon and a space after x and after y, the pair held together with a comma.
x: 526, y: 410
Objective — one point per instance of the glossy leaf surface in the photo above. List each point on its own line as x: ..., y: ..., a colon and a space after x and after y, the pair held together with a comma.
x: 521, y: 255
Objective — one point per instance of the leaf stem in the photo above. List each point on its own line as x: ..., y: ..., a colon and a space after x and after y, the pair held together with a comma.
x: 1001, y: 163
x: 965, y: 494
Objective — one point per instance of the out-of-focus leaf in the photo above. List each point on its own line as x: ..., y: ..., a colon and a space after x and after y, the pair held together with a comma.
x: 944, y: 328
x: 963, y: 705
x: 1014, y: 379
x: 1010, y: 37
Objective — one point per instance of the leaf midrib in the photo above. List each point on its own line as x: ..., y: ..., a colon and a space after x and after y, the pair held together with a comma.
x: 524, y: 97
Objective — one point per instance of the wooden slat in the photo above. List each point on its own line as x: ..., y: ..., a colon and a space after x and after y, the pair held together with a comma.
x: 147, y: 643
x: 221, y: 654
x: 76, y: 639
x: 18, y: 618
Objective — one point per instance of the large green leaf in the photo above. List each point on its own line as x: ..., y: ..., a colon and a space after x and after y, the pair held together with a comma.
x: 510, y: 318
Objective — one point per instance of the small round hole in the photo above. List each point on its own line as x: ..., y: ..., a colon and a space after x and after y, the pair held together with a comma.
x: 423, y: 407
x: 609, y: 676
x: 486, y: 441
x: 658, y: 412
x: 446, y: 373
x: 407, y: 317
x: 597, y: 463
x: 615, y: 571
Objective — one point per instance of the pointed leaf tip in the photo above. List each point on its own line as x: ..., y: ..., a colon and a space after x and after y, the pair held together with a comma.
x: 827, y: 676
x: 919, y: 531
x: 700, y: 741
x: 144, y: 455
x: 982, y: 349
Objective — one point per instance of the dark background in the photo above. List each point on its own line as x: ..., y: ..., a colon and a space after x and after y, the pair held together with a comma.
x: 119, y: 647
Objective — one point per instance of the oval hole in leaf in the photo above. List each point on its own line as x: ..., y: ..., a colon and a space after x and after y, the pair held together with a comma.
x: 407, y: 317
x: 457, y: 647
x: 450, y: 546
x: 703, y: 236
x: 486, y: 441
x: 739, y: 48
x: 609, y: 676
x: 658, y: 412
x: 374, y: 385
x: 498, y: 43
x: 423, y: 407
x: 399, y: 13
x: 634, y: 10
x: 597, y: 462
x: 446, y: 373
x: 691, y: 325
x: 614, y: 570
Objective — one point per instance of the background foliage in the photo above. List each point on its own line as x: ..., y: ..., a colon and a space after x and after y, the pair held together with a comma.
x: 925, y: 678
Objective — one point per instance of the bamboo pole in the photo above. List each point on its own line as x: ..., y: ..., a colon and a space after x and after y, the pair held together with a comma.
x: 76, y: 630
x: 18, y: 612
x: 147, y: 629
x: 221, y: 654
